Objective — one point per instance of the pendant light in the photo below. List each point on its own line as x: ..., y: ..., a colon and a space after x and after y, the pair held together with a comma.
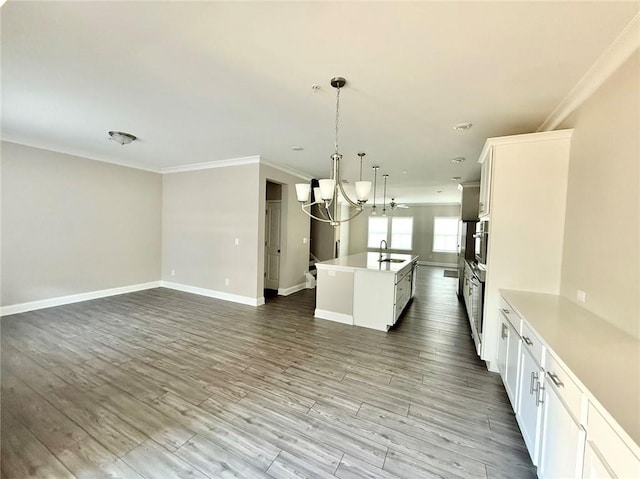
x: 384, y: 196
x: 326, y: 194
x: 374, y: 210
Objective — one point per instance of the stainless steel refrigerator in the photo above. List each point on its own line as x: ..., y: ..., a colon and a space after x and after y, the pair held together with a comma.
x: 466, y: 230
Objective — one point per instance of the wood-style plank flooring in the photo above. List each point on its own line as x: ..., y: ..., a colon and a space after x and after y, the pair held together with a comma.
x: 163, y: 384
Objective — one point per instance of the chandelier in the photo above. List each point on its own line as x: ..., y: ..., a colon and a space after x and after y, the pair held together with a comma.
x: 326, y: 194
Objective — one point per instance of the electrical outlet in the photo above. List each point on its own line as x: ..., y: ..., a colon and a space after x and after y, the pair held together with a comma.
x: 581, y: 296
x: 173, y: 272
x: 236, y: 241
x: 226, y: 281
x: 304, y: 240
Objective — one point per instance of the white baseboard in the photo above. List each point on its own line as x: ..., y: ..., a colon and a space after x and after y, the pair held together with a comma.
x: 433, y: 263
x: 333, y: 316
x: 212, y: 293
x: 74, y: 298
x: 292, y: 289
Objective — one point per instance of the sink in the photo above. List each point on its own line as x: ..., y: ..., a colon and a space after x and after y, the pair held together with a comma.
x: 391, y: 260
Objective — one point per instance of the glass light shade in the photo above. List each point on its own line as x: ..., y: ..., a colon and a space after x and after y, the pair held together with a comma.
x: 363, y: 188
x: 302, y: 192
x: 316, y: 195
x: 327, y: 188
x: 374, y: 211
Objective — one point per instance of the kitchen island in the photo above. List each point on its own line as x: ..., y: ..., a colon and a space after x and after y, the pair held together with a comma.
x: 365, y: 289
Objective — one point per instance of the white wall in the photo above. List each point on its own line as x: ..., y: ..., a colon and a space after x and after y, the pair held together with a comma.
x: 294, y: 259
x: 602, y: 229
x: 72, y: 225
x: 203, y: 212
x: 423, y: 216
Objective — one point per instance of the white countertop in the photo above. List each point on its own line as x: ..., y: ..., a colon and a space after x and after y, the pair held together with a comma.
x: 605, y: 359
x: 368, y: 261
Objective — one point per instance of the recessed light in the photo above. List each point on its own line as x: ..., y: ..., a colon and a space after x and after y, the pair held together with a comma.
x: 459, y: 159
x: 404, y: 172
x: 297, y: 148
x: 456, y: 178
x: 463, y: 126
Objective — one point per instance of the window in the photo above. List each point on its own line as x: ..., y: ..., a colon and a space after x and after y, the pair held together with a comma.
x: 445, y: 234
x: 377, y: 231
x: 398, y: 235
x: 401, y: 232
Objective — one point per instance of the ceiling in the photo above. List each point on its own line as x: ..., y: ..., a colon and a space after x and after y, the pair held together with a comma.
x: 201, y: 82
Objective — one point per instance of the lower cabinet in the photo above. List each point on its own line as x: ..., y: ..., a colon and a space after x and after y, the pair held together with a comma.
x: 562, y: 438
x: 529, y: 411
x: 567, y: 433
x: 508, y: 359
x: 595, y: 466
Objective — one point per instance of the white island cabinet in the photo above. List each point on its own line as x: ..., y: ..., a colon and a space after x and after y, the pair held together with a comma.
x: 364, y: 291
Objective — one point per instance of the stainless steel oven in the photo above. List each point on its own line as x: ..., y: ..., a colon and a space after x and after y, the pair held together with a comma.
x: 481, y: 238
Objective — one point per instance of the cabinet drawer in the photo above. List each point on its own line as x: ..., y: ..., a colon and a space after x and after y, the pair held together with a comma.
x: 511, y: 315
x: 566, y: 389
x: 614, y: 452
x: 532, y: 343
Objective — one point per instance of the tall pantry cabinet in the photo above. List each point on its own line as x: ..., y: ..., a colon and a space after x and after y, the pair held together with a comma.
x: 523, y: 194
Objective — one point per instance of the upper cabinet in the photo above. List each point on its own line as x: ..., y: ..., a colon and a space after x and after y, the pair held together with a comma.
x: 484, y: 201
x: 469, y: 201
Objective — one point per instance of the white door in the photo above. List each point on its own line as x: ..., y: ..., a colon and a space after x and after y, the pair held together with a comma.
x: 272, y: 245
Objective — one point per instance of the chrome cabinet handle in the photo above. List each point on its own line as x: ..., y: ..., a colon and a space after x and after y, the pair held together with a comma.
x: 527, y: 341
x: 506, y: 311
x: 556, y: 380
x: 533, y: 386
x: 539, y: 394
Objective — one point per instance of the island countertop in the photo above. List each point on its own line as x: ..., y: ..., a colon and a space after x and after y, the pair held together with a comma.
x: 369, y: 262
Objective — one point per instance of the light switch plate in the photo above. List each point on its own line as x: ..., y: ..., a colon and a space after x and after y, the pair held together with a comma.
x: 581, y: 296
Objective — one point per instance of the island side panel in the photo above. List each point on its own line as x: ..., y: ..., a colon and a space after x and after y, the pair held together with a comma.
x: 334, y: 295
x: 374, y: 299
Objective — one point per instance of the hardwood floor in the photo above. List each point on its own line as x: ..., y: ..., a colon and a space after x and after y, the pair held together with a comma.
x: 164, y: 384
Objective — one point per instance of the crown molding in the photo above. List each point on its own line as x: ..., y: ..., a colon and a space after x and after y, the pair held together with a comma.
x: 524, y: 138
x: 83, y: 157
x: 246, y: 160
x: 612, y: 58
x: 286, y: 169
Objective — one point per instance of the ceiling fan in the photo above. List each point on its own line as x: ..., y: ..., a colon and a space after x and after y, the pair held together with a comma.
x: 395, y: 205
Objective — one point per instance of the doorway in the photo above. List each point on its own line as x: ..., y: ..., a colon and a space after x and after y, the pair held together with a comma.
x: 272, y: 239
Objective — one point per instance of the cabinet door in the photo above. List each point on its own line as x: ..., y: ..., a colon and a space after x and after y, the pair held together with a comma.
x: 595, y: 467
x: 485, y: 184
x: 562, y: 439
x: 528, y: 412
x: 514, y: 344
x: 501, y: 359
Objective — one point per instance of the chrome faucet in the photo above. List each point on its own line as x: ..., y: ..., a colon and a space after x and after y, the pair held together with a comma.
x: 386, y: 247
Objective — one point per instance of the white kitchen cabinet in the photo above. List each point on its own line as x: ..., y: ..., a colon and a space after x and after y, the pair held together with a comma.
x: 595, y: 466
x: 484, y: 200
x: 611, y: 454
x: 528, y: 413
x: 514, y: 344
x: 503, y: 343
x: 526, y: 219
x: 562, y: 438
x: 508, y: 359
